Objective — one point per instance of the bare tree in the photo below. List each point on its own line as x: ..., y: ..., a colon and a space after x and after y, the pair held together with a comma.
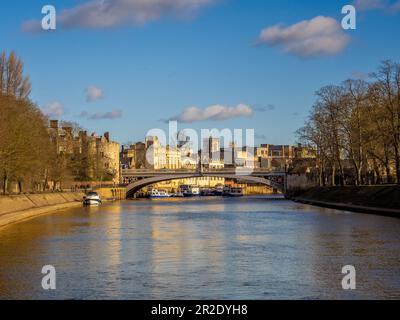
x: 388, y: 95
x: 24, y: 141
x: 12, y: 80
x: 358, y: 123
x: 353, y: 121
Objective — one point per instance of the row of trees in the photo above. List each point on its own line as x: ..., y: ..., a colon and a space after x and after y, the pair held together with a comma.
x: 29, y: 158
x: 24, y: 142
x: 355, y: 128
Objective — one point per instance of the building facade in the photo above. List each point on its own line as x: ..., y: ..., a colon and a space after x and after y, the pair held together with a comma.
x: 98, y: 156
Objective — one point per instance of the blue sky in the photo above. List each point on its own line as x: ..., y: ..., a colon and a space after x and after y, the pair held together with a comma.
x: 199, y: 56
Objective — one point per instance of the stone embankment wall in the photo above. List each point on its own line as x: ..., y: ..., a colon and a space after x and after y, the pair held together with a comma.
x: 297, y: 183
x: 112, y: 193
x: 382, y: 200
x: 21, y: 207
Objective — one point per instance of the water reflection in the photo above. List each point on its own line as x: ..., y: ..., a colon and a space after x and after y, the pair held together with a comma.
x: 214, y: 248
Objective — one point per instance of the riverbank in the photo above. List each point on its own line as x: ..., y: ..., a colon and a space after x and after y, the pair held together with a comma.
x: 22, y: 207
x: 379, y: 200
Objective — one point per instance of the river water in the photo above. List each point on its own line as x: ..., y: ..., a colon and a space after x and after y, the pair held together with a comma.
x: 210, y: 248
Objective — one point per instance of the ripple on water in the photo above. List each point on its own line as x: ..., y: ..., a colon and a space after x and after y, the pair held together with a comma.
x: 194, y: 249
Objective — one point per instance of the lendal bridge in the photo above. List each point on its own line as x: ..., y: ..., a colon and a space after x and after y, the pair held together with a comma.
x: 136, y: 179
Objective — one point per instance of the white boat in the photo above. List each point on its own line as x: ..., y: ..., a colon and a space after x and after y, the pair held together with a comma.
x: 92, y: 199
x: 154, y: 193
x: 195, y: 191
x: 177, y: 195
x: 190, y: 191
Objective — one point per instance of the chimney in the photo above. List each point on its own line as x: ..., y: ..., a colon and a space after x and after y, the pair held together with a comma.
x: 107, y: 136
x: 54, y: 124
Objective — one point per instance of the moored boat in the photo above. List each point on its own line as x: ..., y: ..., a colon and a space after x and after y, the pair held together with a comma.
x: 155, y: 193
x: 219, y: 190
x: 177, y: 195
x: 205, y: 192
x: 92, y: 199
x: 195, y: 191
x: 233, y: 192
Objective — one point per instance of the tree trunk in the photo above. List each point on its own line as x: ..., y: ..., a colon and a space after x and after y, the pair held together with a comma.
x: 320, y: 177
x: 397, y: 161
x: 377, y: 174
x: 388, y: 173
x: 357, y: 172
x: 341, y: 171
x: 5, y: 182
x: 19, y: 186
x: 360, y: 176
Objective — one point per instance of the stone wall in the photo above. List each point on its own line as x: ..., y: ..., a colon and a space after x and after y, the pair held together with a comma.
x: 20, y: 207
x: 299, y: 182
x: 112, y: 193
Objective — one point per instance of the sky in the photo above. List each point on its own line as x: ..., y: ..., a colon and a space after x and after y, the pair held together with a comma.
x: 129, y: 66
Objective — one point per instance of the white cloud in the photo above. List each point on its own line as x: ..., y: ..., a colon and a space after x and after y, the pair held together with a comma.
x: 386, y: 5
x: 53, y: 109
x: 110, y: 13
x: 214, y: 112
x: 114, y: 114
x: 316, y: 37
x: 93, y: 93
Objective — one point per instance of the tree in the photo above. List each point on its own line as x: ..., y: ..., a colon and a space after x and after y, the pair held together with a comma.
x: 12, y: 80
x: 387, y: 94
x: 355, y: 128
x: 354, y: 121
x: 24, y: 142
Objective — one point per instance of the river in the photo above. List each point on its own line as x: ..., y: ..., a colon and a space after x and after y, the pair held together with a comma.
x: 210, y: 248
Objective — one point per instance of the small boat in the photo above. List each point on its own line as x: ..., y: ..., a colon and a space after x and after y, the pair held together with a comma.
x: 154, y: 194
x: 177, y: 195
x: 191, y: 192
x: 205, y: 192
x: 92, y: 199
x: 187, y: 193
x: 195, y: 191
x: 233, y: 192
x: 219, y: 190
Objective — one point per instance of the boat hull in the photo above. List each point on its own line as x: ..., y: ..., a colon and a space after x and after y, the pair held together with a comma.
x: 188, y: 195
x: 233, y: 195
x: 159, y: 197
x: 90, y: 202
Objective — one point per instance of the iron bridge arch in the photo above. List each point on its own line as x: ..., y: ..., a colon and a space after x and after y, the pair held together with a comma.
x: 137, y: 185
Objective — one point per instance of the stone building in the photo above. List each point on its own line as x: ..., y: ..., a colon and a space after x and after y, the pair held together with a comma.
x: 105, y: 153
x: 98, y: 151
x: 274, y: 156
x: 155, y: 154
x: 64, y: 139
x: 210, y: 153
x: 173, y: 158
x: 134, y: 156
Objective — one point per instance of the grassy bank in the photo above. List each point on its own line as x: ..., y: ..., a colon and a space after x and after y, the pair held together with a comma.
x: 383, y: 200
